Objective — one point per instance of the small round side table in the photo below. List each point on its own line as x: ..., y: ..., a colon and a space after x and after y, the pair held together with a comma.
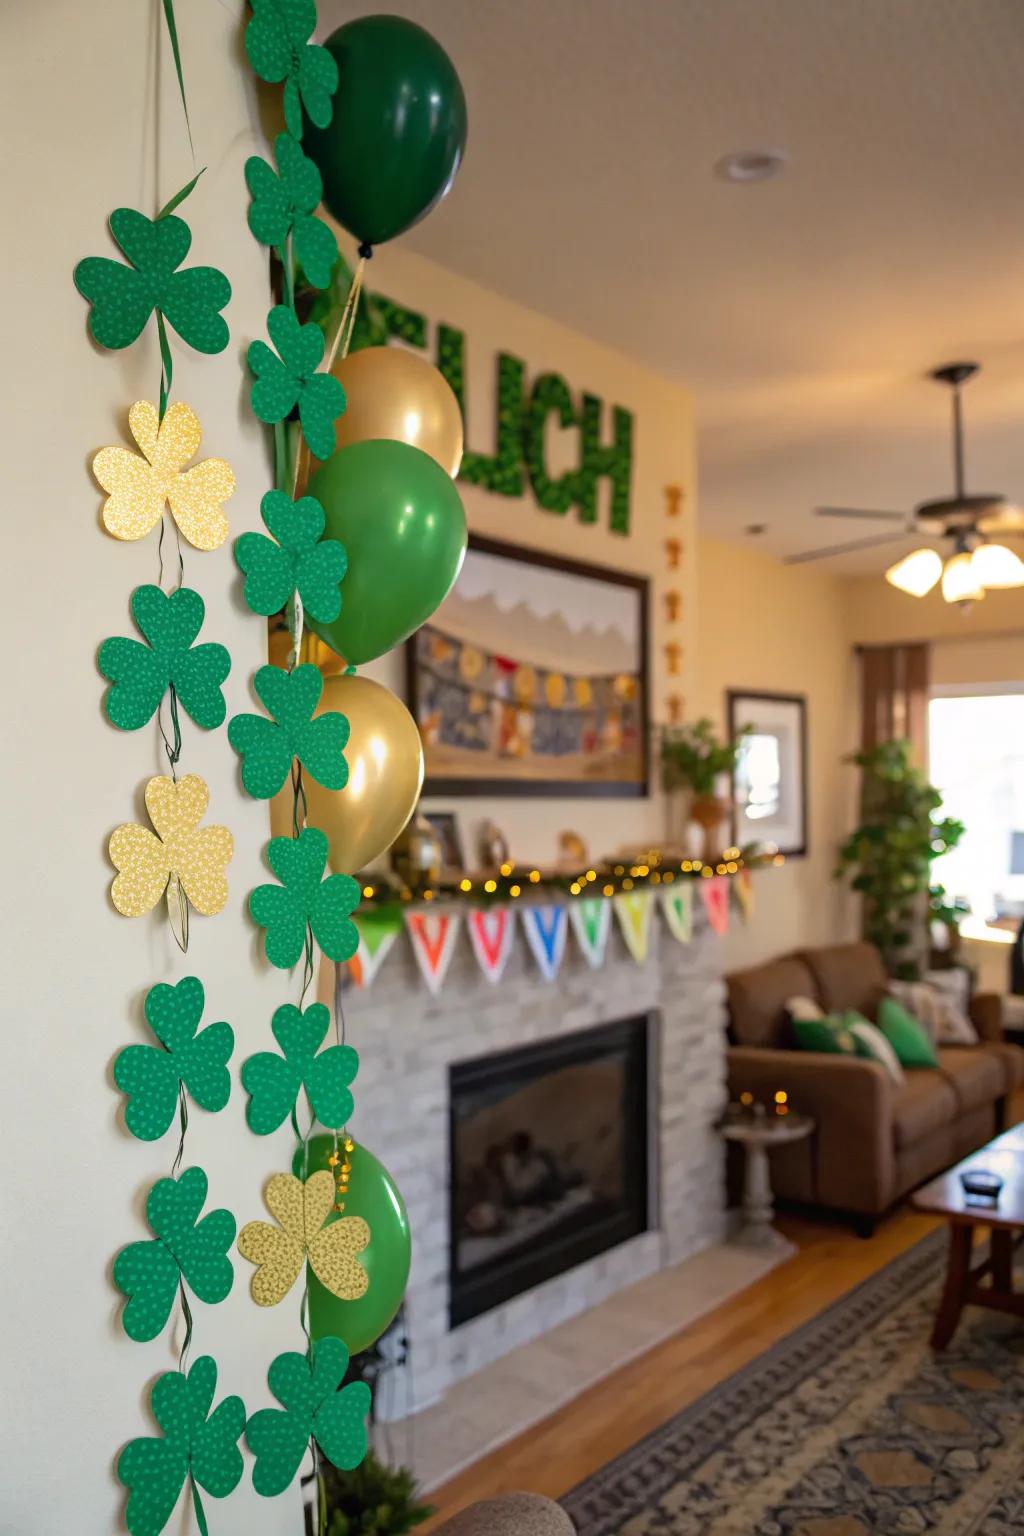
x: 757, y: 1137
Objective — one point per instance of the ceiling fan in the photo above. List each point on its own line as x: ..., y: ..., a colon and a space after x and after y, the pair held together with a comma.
x: 975, y: 564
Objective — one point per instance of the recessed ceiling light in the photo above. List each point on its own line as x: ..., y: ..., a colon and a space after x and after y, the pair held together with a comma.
x: 750, y: 165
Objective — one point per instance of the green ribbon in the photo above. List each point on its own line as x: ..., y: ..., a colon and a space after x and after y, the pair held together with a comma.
x: 197, y: 1505
x: 172, y: 33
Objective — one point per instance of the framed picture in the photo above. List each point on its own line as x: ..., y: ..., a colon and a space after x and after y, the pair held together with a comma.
x: 532, y: 678
x: 770, y: 782
x: 447, y: 829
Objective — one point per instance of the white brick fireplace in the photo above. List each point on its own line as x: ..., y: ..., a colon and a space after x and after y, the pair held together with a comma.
x: 408, y: 1039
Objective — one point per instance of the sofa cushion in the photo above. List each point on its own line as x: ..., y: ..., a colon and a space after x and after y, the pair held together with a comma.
x: 1011, y: 1062
x: 908, y: 1038
x: 976, y: 1075
x: 757, y: 1001
x: 847, y: 976
x: 925, y: 1104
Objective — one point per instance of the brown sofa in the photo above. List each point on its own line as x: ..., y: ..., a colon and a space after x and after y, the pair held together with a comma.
x: 872, y: 1141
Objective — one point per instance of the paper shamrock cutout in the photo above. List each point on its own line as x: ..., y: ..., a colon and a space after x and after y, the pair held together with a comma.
x: 279, y: 1252
x: 195, y: 1443
x: 300, y: 560
x: 312, y: 1405
x: 139, y: 487
x: 277, y: 42
x: 184, y: 1248
x: 304, y: 896
x: 273, y: 1081
x: 285, y: 203
x: 151, y: 1076
x: 140, y: 674
x: 124, y: 297
x: 196, y: 855
x: 290, y: 379
x: 267, y: 747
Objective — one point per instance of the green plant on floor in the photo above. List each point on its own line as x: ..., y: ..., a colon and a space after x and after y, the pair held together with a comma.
x: 372, y: 1500
x: 692, y: 757
x: 889, y: 857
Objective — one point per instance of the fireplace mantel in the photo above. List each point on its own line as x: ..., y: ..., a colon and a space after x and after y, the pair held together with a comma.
x: 409, y: 1041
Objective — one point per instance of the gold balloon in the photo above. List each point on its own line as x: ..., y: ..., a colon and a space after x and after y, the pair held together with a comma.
x: 393, y: 393
x: 385, y: 774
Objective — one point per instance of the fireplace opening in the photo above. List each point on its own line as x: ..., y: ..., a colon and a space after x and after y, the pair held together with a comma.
x: 551, y: 1160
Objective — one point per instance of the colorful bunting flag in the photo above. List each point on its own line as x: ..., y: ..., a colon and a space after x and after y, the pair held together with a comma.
x: 677, y: 910
x: 591, y: 918
x: 377, y: 933
x: 545, y: 928
x: 491, y: 931
x: 745, y: 893
x: 633, y: 910
x: 433, y: 936
x: 715, y: 892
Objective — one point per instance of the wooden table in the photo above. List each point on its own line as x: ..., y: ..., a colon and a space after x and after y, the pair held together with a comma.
x: 989, y: 1284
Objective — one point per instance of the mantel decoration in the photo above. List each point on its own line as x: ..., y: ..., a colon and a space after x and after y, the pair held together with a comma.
x: 375, y: 122
x: 695, y: 766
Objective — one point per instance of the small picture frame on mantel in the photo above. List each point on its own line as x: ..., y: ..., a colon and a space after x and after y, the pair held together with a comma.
x: 770, y: 780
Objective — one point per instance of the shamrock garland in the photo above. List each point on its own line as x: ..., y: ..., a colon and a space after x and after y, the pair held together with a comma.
x: 303, y: 1231
x: 277, y: 42
x: 183, y: 1249
x: 300, y: 561
x: 141, y: 674
x: 268, y: 747
x: 152, y: 1078
x: 305, y: 899
x: 139, y: 488
x: 273, y: 1081
x: 179, y: 849
x: 311, y: 1405
x: 289, y: 378
x: 283, y: 204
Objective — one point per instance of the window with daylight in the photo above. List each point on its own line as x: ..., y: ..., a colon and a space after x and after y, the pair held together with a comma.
x: 977, y: 763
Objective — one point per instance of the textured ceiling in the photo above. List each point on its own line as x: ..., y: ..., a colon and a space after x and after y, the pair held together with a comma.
x: 804, y: 311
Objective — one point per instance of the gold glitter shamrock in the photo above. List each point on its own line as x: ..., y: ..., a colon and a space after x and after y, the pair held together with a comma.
x: 139, y: 486
x: 181, y: 849
x: 278, y: 1252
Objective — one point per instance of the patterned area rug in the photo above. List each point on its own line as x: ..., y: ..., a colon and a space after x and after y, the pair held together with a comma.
x: 851, y: 1426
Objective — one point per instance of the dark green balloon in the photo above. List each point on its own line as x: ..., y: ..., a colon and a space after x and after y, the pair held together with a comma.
x: 400, y: 518
x: 398, y: 130
x: 373, y: 1196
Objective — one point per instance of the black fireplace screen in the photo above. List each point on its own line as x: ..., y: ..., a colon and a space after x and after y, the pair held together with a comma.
x: 549, y: 1160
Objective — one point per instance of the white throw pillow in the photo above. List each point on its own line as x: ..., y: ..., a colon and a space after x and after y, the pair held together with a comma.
x: 804, y: 1008
x: 877, y: 1047
x: 936, y: 1009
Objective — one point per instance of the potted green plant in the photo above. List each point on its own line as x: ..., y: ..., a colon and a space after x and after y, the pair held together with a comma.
x: 372, y: 1500
x: 694, y: 764
x: 888, y: 859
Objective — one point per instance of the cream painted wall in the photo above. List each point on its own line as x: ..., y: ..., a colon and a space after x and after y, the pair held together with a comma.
x: 780, y: 629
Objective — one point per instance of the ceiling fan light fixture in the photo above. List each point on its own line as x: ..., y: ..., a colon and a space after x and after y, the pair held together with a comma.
x: 916, y: 573
x: 1005, y: 518
x: 959, y: 580
x: 995, y: 566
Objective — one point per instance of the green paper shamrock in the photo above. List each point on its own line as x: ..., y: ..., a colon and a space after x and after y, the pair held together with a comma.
x: 312, y: 1406
x: 267, y: 747
x: 195, y: 1443
x: 151, y: 1076
x: 291, y: 379
x: 123, y: 298
x: 285, y: 203
x: 274, y: 1081
x: 140, y: 674
x: 304, y: 897
x: 276, y: 41
x: 300, y: 560
x: 196, y: 1251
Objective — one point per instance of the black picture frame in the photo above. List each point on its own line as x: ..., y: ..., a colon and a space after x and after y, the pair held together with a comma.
x: 512, y: 786
x: 741, y: 710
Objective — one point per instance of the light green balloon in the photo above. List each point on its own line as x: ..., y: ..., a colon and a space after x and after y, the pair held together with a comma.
x: 372, y: 1195
x: 401, y: 520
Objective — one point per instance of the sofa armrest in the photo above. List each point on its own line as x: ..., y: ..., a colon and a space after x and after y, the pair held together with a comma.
x: 987, y: 1016
x: 851, y: 1100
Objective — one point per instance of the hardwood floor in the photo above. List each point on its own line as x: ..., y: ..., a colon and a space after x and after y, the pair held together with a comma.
x: 556, y: 1454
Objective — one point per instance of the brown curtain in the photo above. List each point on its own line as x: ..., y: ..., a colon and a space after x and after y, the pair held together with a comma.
x: 894, y: 697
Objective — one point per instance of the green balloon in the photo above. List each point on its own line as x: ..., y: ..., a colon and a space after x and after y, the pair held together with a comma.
x: 398, y: 131
x: 386, y: 1258
x: 400, y: 518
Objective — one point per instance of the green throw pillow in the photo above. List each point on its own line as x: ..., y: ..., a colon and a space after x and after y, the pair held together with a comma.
x: 830, y: 1034
x: 906, y: 1036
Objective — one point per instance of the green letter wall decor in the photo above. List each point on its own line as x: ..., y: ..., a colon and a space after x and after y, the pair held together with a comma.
x: 501, y: 471
x: 549, y: 396
x: 614, y: 459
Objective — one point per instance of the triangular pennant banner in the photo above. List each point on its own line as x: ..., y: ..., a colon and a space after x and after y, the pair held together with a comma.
x: 377, y: 933
x: 591, y: 918
x: 745, y: 893
x: 433, y: 936
x: 677, y: 910
x: 546, y: 928
x: 491, y: 931
x: 715, y: 892
x: 633, y: 909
